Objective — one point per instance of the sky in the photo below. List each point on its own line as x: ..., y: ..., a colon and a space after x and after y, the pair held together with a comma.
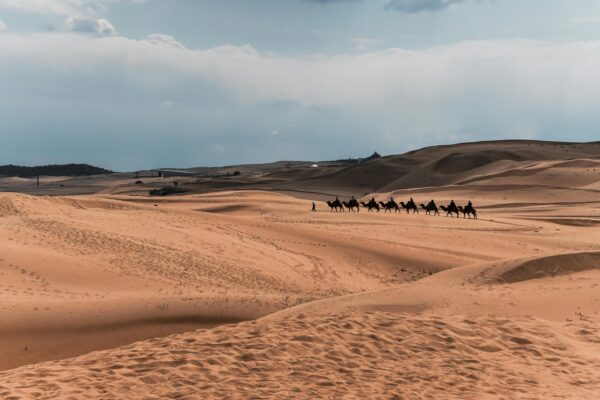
x: 134, y: 84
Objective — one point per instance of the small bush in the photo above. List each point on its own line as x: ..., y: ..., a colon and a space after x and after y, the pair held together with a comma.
x: 167, y: 191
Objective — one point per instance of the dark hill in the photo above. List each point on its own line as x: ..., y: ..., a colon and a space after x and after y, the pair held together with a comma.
x: 52, y: 170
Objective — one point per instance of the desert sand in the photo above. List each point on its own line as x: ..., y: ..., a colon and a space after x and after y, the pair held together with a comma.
x: 247, y: 294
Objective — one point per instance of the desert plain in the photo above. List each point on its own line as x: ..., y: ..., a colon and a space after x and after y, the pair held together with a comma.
x: 237, y: 290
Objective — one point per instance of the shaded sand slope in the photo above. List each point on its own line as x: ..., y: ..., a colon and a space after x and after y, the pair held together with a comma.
x: 555, y: 288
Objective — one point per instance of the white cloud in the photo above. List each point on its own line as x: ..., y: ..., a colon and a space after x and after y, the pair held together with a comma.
x: 92, y: 26
x: 364, y: 43
x: 416, y: 6
x: 586, y: 20
x: 168, y: 103
x: 218, y: 149
x: 476, y: 88
x: 158, y: 39
x: 3, y: 26
x: 63, y: 7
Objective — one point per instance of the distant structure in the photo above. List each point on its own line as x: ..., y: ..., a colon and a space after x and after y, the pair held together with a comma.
x: 373, y: 156
x: 315, y: 166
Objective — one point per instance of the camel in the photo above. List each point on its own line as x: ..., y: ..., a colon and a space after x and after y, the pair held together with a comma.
x: 410, y: 206
x: 335, y: 205
x: 354, y: 203
x: 450, y: 210
x: 372, y: 204
x: 473, y: 211
x: 393, y: 204
x: 430, y: 208
x: 390, y: 205
x: 468, y: 210
x: 350, y: 205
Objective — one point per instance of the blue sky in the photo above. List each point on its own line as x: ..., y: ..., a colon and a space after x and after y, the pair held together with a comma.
x: 130, y: 84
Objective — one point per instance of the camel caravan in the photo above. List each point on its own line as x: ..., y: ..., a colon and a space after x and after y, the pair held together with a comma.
x: 392, y: 206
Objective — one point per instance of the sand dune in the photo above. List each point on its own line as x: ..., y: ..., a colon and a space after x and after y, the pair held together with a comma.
x: 373, y: 346
x: 370, y: 355
x: 497, y: 162
x: 72, y: 264
x: 247, y: 294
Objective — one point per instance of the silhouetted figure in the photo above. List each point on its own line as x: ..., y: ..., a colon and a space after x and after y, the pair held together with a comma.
x: 468, y: 211
x: 390, y: 205
x: 451, y: 209
x: 354, y: 203
x: 410, y: 206
x: 431, y: 207
x: 351, y: 204
x: 372, y: 204
x: 314, y: 207
x: 337, y: 205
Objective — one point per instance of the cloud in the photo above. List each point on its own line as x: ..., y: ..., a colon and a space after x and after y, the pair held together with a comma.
x: 63, y: 7
x: 158, y: 39
x: 415, y: 6
x: 3, y: 26
x: 92, y: 26
x: 586, y: 20
x: 105, y: 89
x: 218, y: 149
x: 168, y: 103
x: 405, y: 6
x: 364, y: 43
x: 333, y: 1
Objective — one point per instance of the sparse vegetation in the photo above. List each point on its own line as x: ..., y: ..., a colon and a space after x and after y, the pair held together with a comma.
x: 52, y: 170
x: 167, y: 191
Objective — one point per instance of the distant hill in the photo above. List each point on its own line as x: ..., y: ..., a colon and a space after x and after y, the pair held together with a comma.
x: 436, y: 166
x: 52, y: 170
